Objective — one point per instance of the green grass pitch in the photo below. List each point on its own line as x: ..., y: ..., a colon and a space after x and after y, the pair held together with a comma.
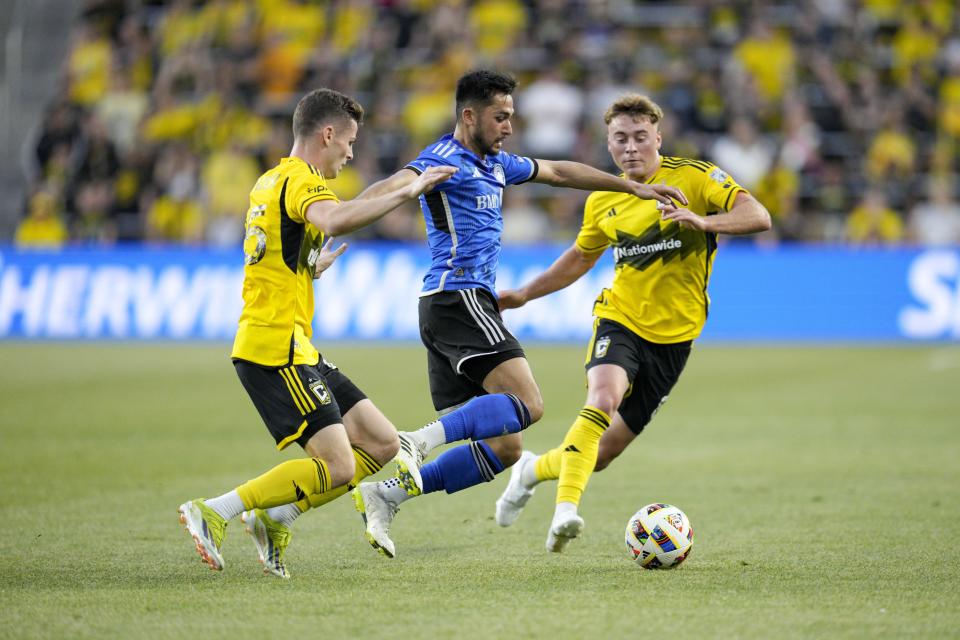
x: 823, y: 484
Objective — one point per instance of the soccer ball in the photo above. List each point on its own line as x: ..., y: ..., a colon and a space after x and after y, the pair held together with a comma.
x: 659, y: 536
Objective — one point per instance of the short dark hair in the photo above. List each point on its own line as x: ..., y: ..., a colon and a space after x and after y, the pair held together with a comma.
x: 319, y: 107
x: 477, y: 88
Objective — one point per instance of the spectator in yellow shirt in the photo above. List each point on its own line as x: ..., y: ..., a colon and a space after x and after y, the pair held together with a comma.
x: 43, y: 227
x: 769, y: 58
x: 892, y: 154
x: 496, y: 24
x: 873, y: 222
x: 88, y: 66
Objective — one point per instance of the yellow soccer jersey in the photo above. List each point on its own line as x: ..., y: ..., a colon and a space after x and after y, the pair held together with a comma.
x: 280, y: 251
x: 659, y: 289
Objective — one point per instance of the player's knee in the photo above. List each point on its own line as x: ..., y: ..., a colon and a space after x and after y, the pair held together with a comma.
x: 534, y: 403
x: 341, y: 470
x: 384, y: 449
x: 507, y: 448
x: 605, y: 400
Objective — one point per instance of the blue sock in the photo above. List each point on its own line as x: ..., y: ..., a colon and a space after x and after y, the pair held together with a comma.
x: 461, y: 467
x: 484, y: 417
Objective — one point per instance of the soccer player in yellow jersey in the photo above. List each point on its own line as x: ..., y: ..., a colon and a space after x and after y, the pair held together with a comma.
x: 301, y: 397
x: 647, y: 319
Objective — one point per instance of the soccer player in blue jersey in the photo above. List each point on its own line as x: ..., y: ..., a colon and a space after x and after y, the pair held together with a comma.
x: 475, y: 364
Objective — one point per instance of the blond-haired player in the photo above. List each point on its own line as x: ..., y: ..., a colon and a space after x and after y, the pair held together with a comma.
x: 647, y: 320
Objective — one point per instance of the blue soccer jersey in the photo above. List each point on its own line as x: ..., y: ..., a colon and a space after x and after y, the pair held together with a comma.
x: 463, y: 215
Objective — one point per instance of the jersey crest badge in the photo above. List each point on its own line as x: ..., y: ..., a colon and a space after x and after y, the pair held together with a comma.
x: 719, y: 175
x: 600, y: 350
x: 320, y: 390
x: 498, y: 173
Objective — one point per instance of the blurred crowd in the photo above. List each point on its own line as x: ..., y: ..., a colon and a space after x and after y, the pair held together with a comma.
x: 841, y: 116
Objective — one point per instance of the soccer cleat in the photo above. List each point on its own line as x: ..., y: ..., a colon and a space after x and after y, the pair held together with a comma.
x: 409, y: 459
x: 514, y: 497
x: 271, y: 539
x: 207, y: 528
x: 377, y: 513
x: 564, y: 528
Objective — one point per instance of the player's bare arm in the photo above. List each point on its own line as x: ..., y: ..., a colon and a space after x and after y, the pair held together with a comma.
x: 746, y: 216
x: 338, y: 218
x: 564, y: 271
x: 576, y: 175
x: 400, y: 179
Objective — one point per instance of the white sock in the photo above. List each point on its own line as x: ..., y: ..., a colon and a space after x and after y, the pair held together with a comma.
x: 564, y: 508
x: 284, y: 514
x: 392, y: 490
x: 229, y: 505
x: 528, y: 477
x: 433, y: 435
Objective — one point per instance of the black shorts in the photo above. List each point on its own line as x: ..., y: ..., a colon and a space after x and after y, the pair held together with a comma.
x: 652, y: 368
x: 296, y: 402
x: 465, y: 339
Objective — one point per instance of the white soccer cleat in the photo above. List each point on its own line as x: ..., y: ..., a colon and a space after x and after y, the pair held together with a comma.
x: 564, y: 528
x: 377, y: 513
x: 207, y: 528
x: 271, y: 539
x: 514, y: 498
x: 409, y: 459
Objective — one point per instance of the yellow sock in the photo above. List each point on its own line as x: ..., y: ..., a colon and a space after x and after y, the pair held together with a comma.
x: 547, y: 466
x: 580, y: 453
x: 366, y: 466
x: 288, y: 481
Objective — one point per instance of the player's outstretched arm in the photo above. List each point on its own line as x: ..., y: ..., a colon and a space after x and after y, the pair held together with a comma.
x: 746, y: 216
x: 382, y: 187
x: 564, y: 271
x: 338, y: 218
x: 576, y: 175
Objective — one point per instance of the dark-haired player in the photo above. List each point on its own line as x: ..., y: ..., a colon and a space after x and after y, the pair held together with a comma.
x: 474, y: 362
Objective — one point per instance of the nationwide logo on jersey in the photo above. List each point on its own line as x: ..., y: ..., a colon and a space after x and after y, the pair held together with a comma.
x: 655, y: 244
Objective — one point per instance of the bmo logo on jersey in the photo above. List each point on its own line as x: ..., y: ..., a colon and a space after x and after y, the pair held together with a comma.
x: 934, y: 281
x: 489, y: 200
